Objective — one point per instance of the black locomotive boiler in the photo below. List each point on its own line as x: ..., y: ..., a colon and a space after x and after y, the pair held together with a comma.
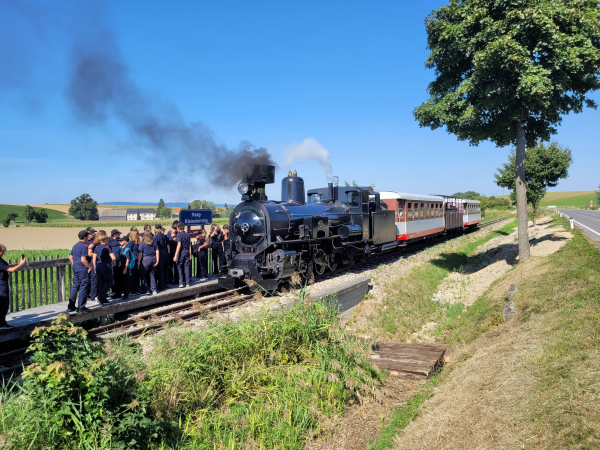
x: 272, y: 240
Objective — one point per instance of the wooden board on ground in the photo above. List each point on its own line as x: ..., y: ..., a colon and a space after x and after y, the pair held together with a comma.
x: 410, y: 361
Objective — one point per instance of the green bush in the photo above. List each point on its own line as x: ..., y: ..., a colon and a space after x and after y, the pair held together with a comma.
x: 256, y: 383
x: 73, y: 395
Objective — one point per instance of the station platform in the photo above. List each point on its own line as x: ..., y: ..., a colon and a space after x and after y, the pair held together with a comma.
x: 27, y: 320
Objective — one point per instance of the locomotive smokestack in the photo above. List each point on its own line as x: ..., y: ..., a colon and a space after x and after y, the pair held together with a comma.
x: 292, y: 189
x: 254, y: 180
x: 331, y: 192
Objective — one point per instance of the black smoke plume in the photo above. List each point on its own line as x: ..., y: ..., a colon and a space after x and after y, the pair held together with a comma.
x: 101, y: 88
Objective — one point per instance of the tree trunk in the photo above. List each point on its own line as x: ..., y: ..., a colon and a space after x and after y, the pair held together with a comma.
x: 521, y: 192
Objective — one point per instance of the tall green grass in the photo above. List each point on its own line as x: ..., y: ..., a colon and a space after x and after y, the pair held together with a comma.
x: 257, y: 383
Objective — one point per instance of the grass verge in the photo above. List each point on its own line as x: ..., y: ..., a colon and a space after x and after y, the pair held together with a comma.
x: 256, y: 383
x: 407, y: 306
x: 555, y: 366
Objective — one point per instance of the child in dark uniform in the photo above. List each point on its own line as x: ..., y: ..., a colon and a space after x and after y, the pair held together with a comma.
x: 5, y: 269
x: 202, y: 262
x: 182, y: 256
x: 103, y: 262
x: 226, y: 245
x: 163, y: 265
x: 127, y: 263
x: 215, y: 239
x: 150, y: 258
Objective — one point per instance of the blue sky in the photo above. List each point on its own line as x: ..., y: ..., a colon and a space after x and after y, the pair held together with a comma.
x: 346, y: 74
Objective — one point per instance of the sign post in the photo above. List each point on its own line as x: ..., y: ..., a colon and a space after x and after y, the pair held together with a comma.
x: 591, y: 204
x: 193, y: 217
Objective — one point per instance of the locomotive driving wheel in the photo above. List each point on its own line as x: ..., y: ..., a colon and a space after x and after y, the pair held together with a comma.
x: 321, y: 262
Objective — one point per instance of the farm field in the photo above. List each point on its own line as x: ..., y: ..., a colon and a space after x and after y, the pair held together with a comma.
x: 54, y: 215
x: 566, y: 198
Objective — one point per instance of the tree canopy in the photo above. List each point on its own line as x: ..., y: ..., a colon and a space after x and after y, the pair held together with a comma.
x: 203, y: 204
x: 507, y: 71
x: 544, y: 167
x: 84, y: 207
x: 470, y: 195
x: 162, y: 211
x: 598, y: 196
x: 500, y: 61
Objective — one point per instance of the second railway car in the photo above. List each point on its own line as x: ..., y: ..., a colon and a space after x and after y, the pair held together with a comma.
x: 417, y: 216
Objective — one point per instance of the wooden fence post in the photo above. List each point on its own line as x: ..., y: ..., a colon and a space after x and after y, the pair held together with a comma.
x: 61, y: 282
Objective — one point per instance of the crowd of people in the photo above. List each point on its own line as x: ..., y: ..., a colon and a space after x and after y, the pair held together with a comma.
x: 144, y: 264
x: 132, y: 263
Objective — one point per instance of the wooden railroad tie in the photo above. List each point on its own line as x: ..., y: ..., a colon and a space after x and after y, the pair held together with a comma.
x: 410, y: 361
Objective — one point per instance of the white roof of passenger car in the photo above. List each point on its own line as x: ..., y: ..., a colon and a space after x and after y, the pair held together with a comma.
x: 471, y: 201
x: 406, y: 196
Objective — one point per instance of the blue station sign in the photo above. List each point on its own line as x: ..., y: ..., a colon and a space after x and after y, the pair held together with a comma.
x: 191, y: 217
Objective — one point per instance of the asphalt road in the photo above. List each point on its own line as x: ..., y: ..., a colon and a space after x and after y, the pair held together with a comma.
x: 590, y: 219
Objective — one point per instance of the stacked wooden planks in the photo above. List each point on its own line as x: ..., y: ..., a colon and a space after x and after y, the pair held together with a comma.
x: 410, y: 361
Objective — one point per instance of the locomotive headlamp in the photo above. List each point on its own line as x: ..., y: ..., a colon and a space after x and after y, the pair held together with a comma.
x: 243, y: 187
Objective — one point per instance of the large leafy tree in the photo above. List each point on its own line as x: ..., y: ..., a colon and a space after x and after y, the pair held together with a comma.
x: 203, y: 204
x: 598, y: 196
x: 84, y: 207
x: 544, y: 166
x: 29, y: 213
x: 162, y: 211
x: 508, y: 70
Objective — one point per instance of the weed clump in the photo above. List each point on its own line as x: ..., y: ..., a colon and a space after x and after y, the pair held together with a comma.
x: 267, y: 381
x: 264, y: 383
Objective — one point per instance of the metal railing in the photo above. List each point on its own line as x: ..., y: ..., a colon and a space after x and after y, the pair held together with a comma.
x: 46, y: 281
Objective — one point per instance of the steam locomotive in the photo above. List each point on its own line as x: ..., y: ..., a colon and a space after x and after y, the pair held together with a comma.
x: 273, y: 240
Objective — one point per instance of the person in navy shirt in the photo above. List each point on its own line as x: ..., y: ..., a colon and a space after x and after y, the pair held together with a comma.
x: 115, y: 248
x: 5, y: 269
x: 202, y: 258
x: 104, y: 260
x: 81, y: 273
x: 182, y: 255
x: 163, y: 265
x: 173, y: 275
x: 150, y: 258
x: 91, y: 244
x: 127, y: 263
x: 133, y: 245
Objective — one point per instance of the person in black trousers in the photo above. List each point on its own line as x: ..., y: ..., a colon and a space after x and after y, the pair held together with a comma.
x: 163, y: 264
x: 202, y: 258
x: 133, y: 245
x: 225, y: 245
x: 5, y: 269
x: 173, y: 273
x: 182, y: 256
x: 114, y: 242
x: 104, y: 260
x: 215, y: 239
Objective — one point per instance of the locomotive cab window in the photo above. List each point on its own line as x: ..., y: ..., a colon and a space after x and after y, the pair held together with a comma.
x: 314, y: 198
x: 353, y: 199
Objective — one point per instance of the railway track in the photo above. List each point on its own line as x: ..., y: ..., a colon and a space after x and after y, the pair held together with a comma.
x: 12, y: 362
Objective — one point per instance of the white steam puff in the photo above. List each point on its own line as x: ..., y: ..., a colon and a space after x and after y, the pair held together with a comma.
x: 309, y: 149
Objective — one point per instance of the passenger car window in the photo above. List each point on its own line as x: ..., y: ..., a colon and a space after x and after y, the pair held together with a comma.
x: 409, y: 211
x: 422, y: 210
x: 401, y: 209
